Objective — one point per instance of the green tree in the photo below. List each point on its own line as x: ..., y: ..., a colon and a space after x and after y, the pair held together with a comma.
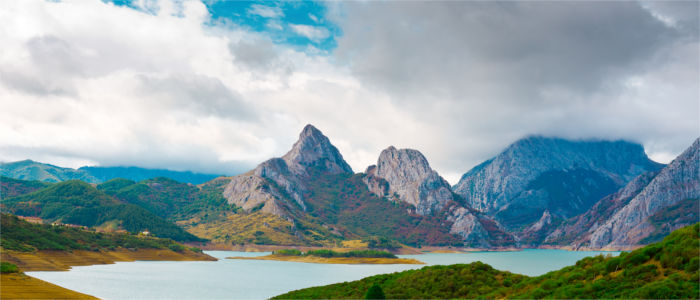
x: 375, y: 292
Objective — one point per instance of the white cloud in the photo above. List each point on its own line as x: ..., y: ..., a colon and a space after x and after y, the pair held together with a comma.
x: 88, y: 82
x: 313, y: 33
x: 265, y: 11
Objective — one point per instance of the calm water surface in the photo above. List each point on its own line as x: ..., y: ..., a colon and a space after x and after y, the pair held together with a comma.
x: 259, y: 279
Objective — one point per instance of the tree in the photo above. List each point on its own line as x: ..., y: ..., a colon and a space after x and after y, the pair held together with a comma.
x: 375, y: 292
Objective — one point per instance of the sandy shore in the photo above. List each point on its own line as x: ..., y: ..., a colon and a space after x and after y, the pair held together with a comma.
x: 335, y: 260
x: 51, y: 260
x: 20, y: 286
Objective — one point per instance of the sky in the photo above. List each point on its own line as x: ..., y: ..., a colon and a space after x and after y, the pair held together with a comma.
x: 220, y: 86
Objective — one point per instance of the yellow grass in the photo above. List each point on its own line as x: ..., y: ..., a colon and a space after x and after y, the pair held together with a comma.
x: 21, y: 286
x: 354, y: 244
x: 241, y: 228
x: 336, y: 260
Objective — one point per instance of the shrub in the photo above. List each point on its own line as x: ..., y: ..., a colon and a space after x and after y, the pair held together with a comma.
x: 287, y: 252
x: 176, y: 247
x: 375, y: 292
x: 6, y: 267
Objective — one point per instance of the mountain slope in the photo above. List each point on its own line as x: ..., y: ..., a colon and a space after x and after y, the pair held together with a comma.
x: 666, y: 270
x: 540, y: 178
x: 79, y: 203
x: 679, y: 181
x: 10, y: 187
x: 169, y: 199
x: 103, y: 174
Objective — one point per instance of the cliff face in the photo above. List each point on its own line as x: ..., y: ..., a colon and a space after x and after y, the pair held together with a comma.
x: 563, y: 178
x: 677, y: 182
x: 273, y: 184
x: 408, y: 175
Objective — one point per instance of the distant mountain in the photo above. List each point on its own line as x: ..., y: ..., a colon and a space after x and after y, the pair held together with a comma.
x: 537, y: 182
x: 77, y: 202
x: 32, y: 170
x: 103, y: 174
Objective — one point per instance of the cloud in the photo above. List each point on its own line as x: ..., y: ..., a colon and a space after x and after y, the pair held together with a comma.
x: 313, y: 33
x: 265, y: 11
x: 490, y: 73
x: 169, y: 87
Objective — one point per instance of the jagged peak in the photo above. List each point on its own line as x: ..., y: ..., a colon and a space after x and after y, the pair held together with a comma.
x: 404, y: 158
x: 309, y: 130
x: 315, y: 149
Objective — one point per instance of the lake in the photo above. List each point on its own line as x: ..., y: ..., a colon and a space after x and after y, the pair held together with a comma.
x: 259, y: 279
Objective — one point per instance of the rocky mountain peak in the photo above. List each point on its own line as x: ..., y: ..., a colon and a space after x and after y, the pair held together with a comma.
x: 313, y: 149
x: 408, y: 175
x: 277, y: 180
x: 491, y: 185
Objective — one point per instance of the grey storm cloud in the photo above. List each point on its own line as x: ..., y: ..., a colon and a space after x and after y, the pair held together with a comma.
x: 516, y: 46
x: 197, y: 93
x: 491, y: 72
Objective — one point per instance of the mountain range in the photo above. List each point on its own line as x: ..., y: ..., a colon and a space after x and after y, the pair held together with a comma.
x: 32, y: 170
x: 538, y: 192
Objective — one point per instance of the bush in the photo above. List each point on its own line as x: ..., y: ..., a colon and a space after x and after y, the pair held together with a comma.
x: 287, y: 252
x: 6, y: 267
x: 375, y: 292
x: 176, y: 247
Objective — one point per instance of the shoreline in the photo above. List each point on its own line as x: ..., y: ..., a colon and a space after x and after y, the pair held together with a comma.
x: 56, y: 260
x: 336, y: 260
x: 406, y: 250
x: 23, y: 286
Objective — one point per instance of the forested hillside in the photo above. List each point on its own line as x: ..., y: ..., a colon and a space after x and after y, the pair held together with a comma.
x: 668, y: 269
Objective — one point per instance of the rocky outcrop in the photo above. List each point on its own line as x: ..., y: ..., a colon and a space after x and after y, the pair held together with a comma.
x: 405, y: 175
x: 251, y: 192
x: 539, y: 174
x: 408, y: 175
x: 469, y: 227
x: 679, y: 181
x: 273, y: 184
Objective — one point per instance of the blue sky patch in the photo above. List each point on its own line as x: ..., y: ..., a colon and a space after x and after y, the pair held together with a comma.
x: 297, y: 23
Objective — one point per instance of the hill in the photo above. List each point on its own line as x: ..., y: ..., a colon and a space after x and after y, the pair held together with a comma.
x: 22, y: 236
x: 32, y: 170
x: 10, y: 187
x: 668, y: 269
x: 79, y: 203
